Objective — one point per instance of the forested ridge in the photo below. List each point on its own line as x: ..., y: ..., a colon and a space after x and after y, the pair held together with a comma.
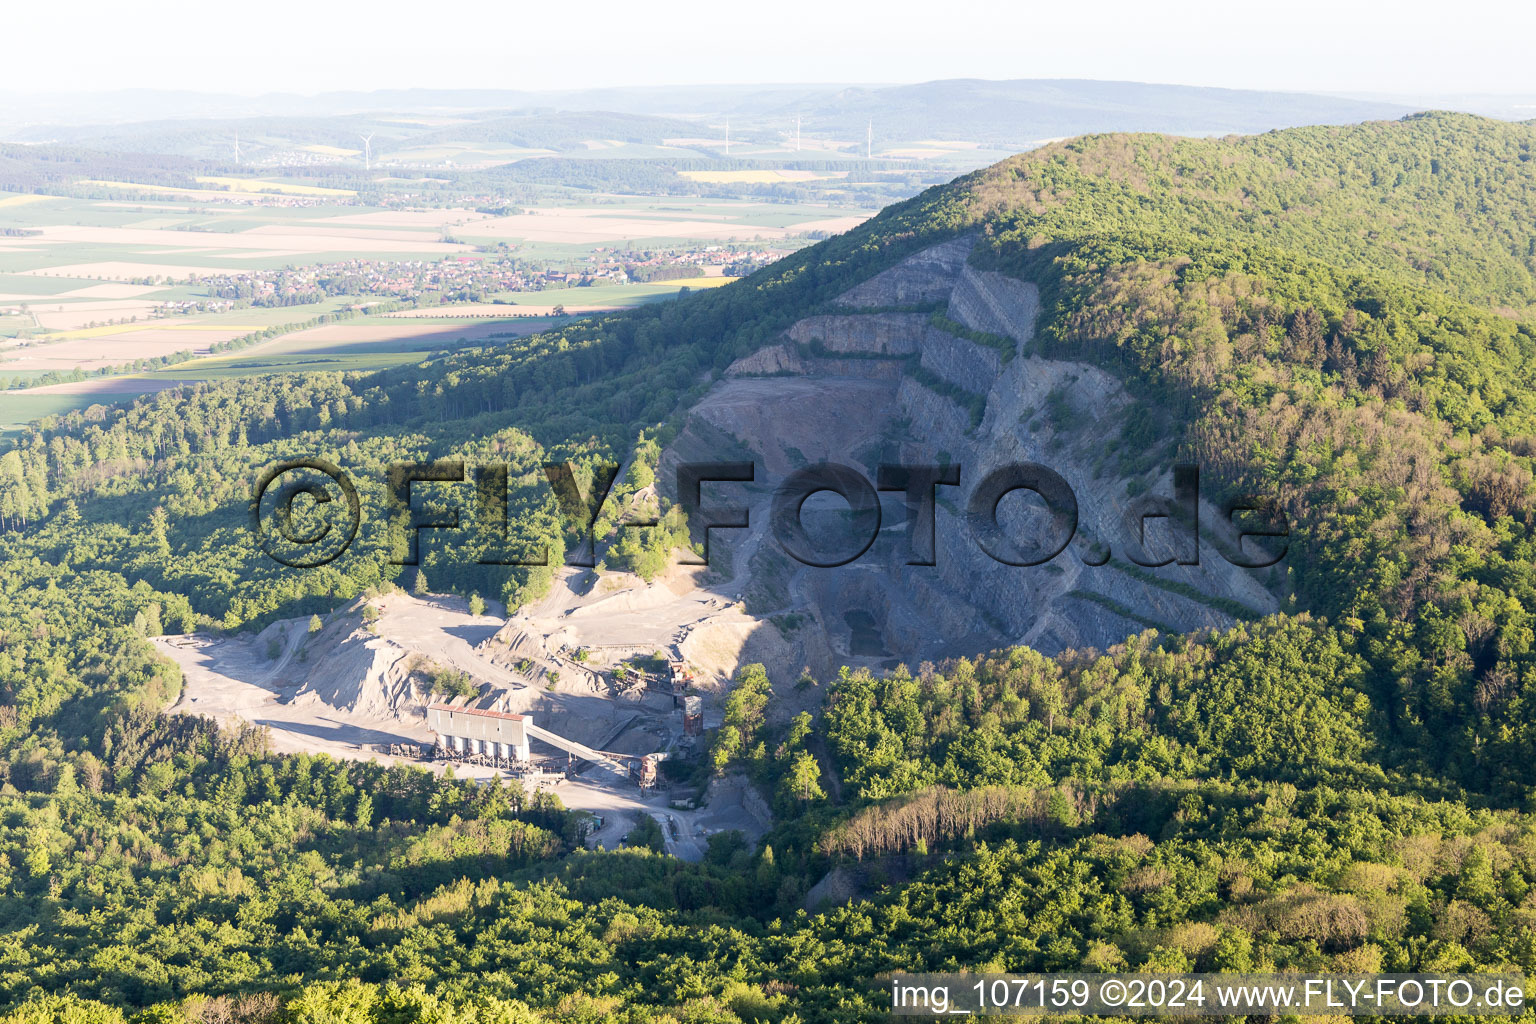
x: 1342, y: 317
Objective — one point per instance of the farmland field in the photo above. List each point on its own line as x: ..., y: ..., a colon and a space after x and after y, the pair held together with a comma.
x: 224, y: 187
x: 83, y: 278
x: 362, y: 344
x: 258, y: 366
x: 17, y: 408
x: 248, y: 186
x: 113, y: 240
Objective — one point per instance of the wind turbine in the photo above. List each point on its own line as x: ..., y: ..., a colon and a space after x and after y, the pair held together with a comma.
x: 797, y: 133
x: 367, y: 151
x: 727, y: 136
x: 237, y: 149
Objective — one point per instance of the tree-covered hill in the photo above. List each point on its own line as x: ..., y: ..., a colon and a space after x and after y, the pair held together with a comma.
x: 1344, y: 318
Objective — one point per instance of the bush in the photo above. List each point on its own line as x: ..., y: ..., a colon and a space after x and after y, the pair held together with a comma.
x: 647, y: 833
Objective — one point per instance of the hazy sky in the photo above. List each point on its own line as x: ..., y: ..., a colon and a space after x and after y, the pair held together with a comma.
x: 1406, y: 47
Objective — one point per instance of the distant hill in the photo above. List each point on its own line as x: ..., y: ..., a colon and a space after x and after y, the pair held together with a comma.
x: 38, y: 168
x: 213, y: 138
x: 998, y: 115
x: 1013, y: 114
x: 137, y: 105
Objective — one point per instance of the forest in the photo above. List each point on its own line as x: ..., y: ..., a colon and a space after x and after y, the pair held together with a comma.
x: 1344, y: 318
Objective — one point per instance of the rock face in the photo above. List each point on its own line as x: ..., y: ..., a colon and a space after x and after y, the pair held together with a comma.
x: 994, y: 303
x: 928, y: 276
x: 964, y: 364
x: 768, y: 362
x: 872, y: 334
x: 874, y: 386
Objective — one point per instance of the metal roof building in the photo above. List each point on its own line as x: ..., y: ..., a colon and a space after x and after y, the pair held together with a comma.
x: 471, y: 731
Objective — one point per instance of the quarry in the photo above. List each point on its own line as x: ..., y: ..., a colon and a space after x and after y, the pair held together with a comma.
x: 930, y: 363
x: 362, y: 687
x: 592, y: 689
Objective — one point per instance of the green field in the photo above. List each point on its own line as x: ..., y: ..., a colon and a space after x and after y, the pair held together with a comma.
x: 23, y: 374
x: 287, y: 354
x: 264, y: 365
x: 17, y: 410
x: 19, y: 284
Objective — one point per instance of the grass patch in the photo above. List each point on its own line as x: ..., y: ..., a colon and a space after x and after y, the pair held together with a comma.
x: 975, y: 405
x: 310, y: 363
x: 1110, y: 604
x: 1237, y: 610
x: 1005, y: 347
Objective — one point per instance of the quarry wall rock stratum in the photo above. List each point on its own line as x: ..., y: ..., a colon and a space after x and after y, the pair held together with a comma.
x: 870, y: 385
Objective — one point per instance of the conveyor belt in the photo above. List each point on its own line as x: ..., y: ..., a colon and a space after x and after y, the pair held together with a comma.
x: 581, y: 750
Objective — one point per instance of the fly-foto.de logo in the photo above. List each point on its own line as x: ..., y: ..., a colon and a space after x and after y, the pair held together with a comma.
x: 288, y: 495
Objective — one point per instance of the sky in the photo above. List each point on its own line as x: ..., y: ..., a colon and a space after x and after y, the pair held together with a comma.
x: 1406, y: 48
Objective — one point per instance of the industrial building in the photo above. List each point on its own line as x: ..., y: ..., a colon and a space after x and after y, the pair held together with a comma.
x: 468, y: 731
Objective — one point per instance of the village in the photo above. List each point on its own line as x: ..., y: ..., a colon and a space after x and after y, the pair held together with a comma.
x: 468, y: 278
